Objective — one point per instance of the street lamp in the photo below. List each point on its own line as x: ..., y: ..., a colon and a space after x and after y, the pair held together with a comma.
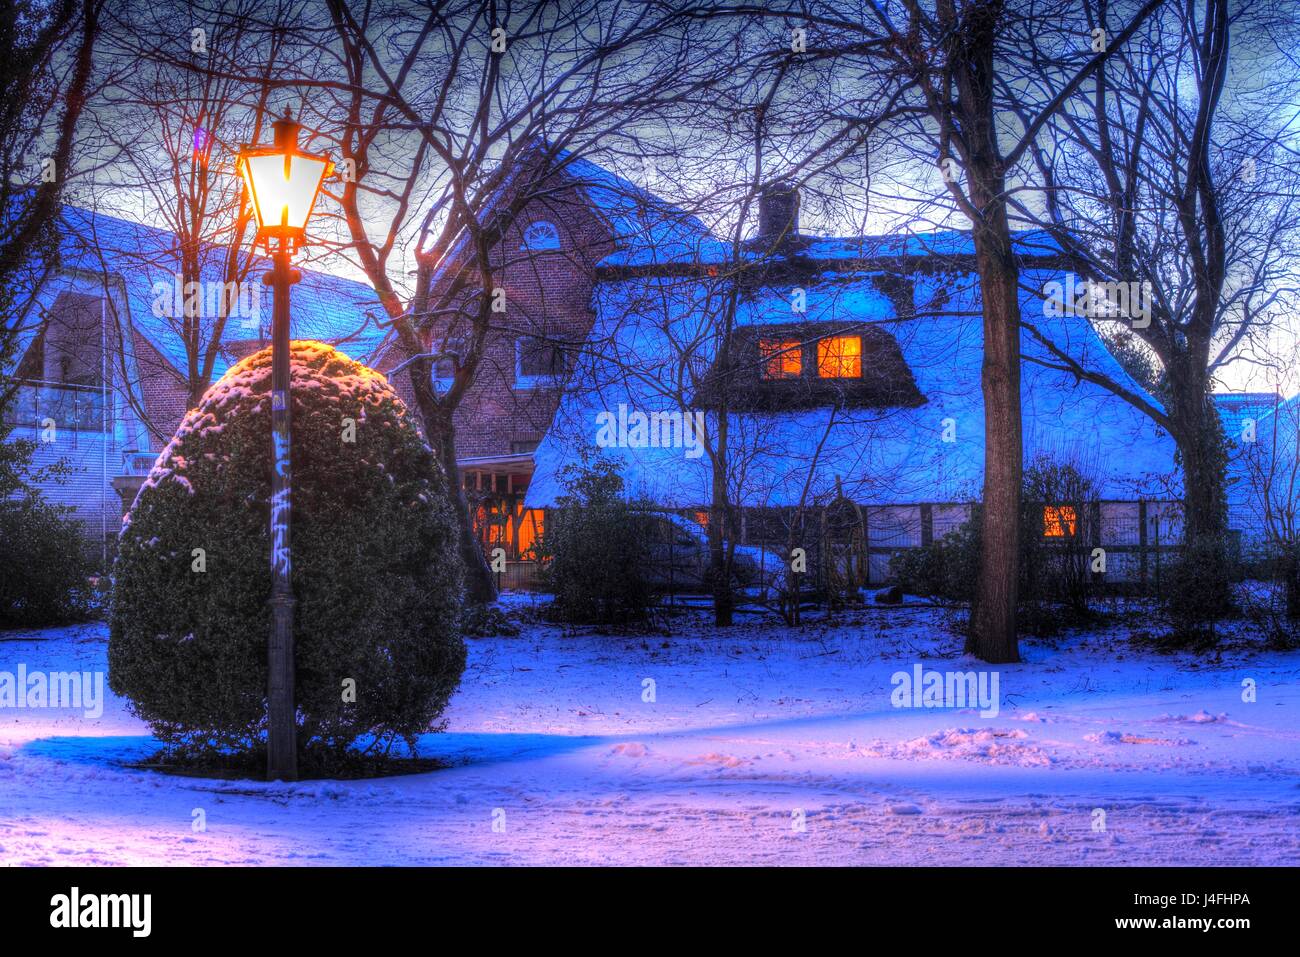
x: 282, y: 184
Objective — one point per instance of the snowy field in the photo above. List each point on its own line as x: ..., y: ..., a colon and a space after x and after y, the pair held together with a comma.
x: 761, y: 746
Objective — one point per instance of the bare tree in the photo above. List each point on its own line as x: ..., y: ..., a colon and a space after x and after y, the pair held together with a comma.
x: 47, y: 71
x: 976, y: 83
x: 454, y: 119
x: 1170, y: 182
x: 168, y: 130
x: 46, y: 64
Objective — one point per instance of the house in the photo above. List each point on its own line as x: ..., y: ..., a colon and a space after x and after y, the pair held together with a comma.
x: 854, y: 375
x: 1263, y: 472
x: 102, y: 381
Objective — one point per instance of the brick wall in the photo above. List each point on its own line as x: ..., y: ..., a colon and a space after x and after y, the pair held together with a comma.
x: 547, y: 294
x: 164, y: 392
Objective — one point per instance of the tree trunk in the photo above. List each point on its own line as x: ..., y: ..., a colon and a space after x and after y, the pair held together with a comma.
x: 480, y: 589
x: 992, y: 635
x: 479, y: 586
x: 1199, y: 437
x: 1290, y: 568
x: 1200, y: 446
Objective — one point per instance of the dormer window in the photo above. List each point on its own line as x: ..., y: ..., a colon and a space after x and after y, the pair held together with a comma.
x: 783, y: 367
x: 782, y: 358
x: 541, y: 236
x: 839, y: 357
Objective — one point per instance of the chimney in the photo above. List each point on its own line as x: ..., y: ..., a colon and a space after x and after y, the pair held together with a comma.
x: 778, y: 213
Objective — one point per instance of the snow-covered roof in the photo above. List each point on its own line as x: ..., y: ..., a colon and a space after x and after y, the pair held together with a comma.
x: 931, y: 453
x: 704, y: 249
x: 642, y: 224
x: 1236, y: 408
x: 324, y: 307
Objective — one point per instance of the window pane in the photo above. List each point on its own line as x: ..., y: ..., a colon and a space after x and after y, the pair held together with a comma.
x: 840, y: 357
x: 540, y: 358
x: 1059, y: 521
x: 541, y: 235
x: 782, y: 358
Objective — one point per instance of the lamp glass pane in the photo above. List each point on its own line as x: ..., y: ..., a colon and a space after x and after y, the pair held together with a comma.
x: 279, y: 199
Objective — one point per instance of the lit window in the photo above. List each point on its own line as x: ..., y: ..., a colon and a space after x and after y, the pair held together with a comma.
x: 531, y: 526
x: 840, y: 357
x: 782, y: 358
x: 540, y: 236
x: 1059, y: 521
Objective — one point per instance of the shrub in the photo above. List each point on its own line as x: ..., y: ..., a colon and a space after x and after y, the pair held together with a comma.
x: 1055, y: 577
x: 46, y: 574
x: 594, y: 550
x: 945, y: 568
x: 1056, y: 572
x: 45, y: 578
x: 375, y: 569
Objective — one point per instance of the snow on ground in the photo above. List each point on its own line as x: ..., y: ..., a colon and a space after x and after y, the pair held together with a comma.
x: 752, y: 731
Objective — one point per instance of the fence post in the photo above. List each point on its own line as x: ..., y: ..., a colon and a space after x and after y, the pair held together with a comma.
x: 1142, y: 541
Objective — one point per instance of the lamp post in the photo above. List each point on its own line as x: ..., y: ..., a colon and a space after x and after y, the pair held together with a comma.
x: 282, y: 183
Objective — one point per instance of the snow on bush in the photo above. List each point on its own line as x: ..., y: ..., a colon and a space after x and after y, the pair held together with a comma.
x: 375, y: 570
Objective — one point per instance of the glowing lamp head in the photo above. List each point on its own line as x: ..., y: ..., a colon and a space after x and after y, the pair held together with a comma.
x: 282, y: 183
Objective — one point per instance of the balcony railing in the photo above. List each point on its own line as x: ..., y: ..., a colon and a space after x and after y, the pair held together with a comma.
x: 80, y: 408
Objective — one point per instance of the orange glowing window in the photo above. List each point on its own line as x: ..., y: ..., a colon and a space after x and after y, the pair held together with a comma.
x: 839, y: 357
x: 531, y: 526
x: 1059, y: 521
x: 782, y: 358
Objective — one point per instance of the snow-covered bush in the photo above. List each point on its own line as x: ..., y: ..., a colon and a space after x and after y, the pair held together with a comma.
x: 375, y: 573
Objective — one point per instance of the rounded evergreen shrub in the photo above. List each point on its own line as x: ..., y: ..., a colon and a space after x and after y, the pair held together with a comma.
x: 375, y: 570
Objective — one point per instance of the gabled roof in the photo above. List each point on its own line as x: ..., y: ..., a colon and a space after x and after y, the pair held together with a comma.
x: 638, y: 221
x: 933, y: 452
x: 324, y: 307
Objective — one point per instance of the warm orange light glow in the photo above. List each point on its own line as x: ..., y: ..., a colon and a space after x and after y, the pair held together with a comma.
x: 531, y: 526
x: 283, y: 188
x: 782, y: 358
x: 1059, y: 521
x: 840, y: 357
x: 282, y: 183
